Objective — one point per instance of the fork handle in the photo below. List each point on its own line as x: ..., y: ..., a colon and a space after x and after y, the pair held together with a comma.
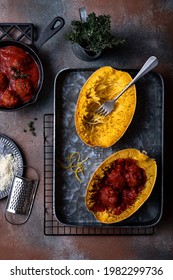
x: 148, y: 66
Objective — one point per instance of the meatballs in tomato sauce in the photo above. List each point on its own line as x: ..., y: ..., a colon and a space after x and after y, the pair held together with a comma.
x: 119, y: 187
x: 19, y: 77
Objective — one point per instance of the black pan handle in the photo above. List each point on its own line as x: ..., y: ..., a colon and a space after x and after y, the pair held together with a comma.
x: 50, y: 30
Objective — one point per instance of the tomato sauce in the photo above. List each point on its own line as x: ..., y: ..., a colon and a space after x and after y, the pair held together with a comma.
x: 19, y: 77
x: 119, y: 187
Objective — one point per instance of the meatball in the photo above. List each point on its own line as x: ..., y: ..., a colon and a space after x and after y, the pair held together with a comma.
x: 10, y: 99
x: 24, y: 88
x: 108, y: 197
x: 15, y: 58
x: 129, y: 195
x: 116, y: 179
x: 105, y: 199
x: 3, y: 81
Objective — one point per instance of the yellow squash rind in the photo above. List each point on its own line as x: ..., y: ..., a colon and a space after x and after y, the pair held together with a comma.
x: 143, y: 161
x: 104, y: 84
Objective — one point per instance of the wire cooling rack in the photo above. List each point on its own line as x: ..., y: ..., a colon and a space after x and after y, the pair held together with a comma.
x: 51, y: 225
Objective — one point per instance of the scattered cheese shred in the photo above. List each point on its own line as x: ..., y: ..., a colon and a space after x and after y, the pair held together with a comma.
x: 6, y: 170
x: 75, y: 164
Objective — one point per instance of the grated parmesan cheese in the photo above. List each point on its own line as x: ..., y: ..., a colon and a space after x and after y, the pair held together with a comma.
x: 7, y: 170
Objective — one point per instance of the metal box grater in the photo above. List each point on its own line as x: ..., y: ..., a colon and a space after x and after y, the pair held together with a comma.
x: 21, y: 196
x: 21, y: 199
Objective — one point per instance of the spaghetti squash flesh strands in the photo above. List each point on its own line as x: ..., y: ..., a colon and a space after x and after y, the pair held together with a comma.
x: 75, y: 165
x: 99, y: 131
x: 108, y: 106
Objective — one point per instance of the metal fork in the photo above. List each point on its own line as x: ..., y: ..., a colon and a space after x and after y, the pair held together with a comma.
x: 108, y: 106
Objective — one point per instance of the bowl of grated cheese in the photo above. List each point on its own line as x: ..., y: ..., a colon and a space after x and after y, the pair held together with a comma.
x: 11, y: 164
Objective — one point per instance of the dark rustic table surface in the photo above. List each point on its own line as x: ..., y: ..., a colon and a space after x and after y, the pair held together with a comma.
x: 148, y: 28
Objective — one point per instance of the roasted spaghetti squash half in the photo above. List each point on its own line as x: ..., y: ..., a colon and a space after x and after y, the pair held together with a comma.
x: 120, y: 185
x: 104, y: 84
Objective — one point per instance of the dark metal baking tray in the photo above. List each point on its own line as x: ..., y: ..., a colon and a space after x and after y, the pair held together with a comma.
x: 144, y: 133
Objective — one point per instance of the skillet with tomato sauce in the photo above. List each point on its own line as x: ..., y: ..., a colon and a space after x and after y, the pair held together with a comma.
x: 19, y: 77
